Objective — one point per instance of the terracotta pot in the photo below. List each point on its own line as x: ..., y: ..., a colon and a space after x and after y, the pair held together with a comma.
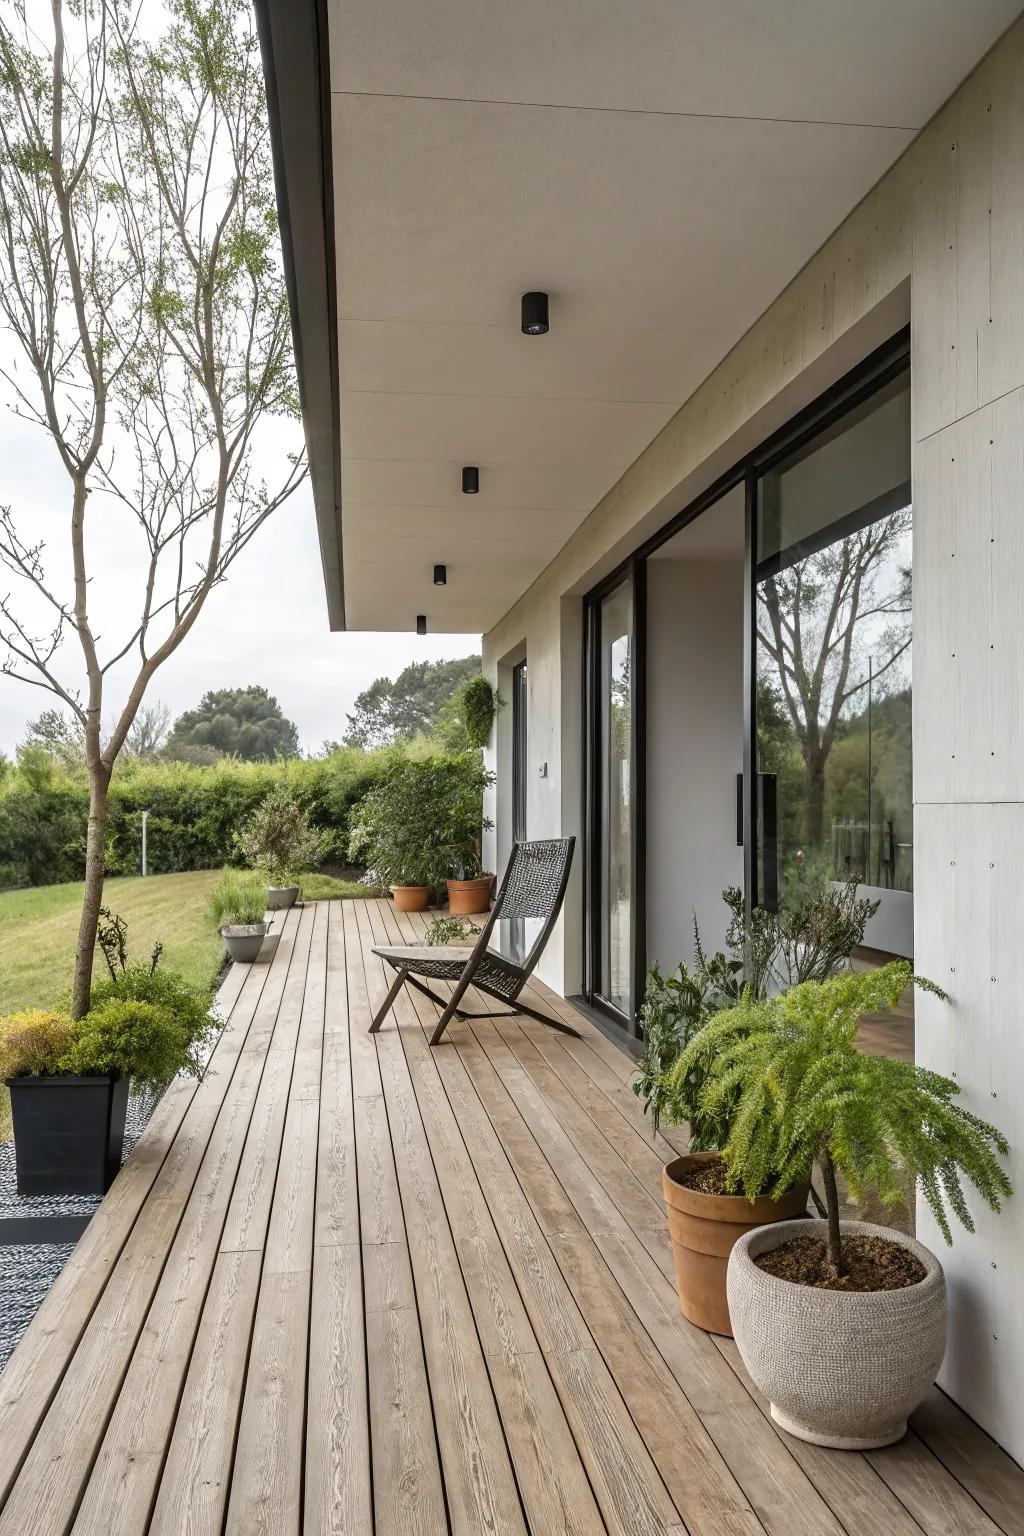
x: 411, y: 898
x: 703, y: 1229
x: 839, y: 1368
x: 468, y: 897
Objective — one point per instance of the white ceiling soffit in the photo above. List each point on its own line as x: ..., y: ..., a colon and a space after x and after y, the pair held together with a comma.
x: 661, y: 168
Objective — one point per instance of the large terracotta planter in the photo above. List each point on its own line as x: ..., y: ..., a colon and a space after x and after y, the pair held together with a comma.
x: 703, y: 1229
x: 411, y: 898
x: 468, y: 897
x: 839, y: 1368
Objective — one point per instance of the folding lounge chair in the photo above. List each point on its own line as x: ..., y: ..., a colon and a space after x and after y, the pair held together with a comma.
x: 533, y: 887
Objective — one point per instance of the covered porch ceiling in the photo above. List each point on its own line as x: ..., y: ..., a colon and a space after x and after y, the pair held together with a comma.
x: 661, y: 169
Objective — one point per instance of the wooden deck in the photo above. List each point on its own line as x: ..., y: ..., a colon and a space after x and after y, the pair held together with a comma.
x: 353, y: 1285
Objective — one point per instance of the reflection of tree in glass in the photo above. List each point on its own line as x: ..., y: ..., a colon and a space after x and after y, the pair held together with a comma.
x: 816, y: 620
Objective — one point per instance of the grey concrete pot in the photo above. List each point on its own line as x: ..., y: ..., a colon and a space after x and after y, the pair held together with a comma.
x: 244, y: 940
x: 842, y: 1369
x: 279, y: 897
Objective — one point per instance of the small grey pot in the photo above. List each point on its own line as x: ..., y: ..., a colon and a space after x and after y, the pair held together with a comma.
x: 244, y: 940
x: 839, y: 1368
x: 280, y: 897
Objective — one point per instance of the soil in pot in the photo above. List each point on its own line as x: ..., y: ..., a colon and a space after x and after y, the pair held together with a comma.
x: 411, y: 898
x: 872, y: 1264
x: 841, y: 1368
x: 704, y: 1222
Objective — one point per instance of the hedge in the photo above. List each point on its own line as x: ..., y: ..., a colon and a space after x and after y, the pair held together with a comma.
x: 194, y: 812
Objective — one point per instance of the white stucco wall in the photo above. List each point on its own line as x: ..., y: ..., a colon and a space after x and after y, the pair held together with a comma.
x: 694, y: 750
x: 941, y: 239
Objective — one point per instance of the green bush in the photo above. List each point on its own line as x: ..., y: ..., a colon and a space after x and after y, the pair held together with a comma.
x: 33, y: 1042
x: 186, y: 1005
x: 194, y: 812
x: 422, y: 824
x: 279, y: 839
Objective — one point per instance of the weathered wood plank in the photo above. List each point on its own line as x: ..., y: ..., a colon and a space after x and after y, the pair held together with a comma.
x: 35, y: 1369
x: 56, y: 1468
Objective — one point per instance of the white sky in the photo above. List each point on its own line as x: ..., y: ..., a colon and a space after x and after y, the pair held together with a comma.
x: 267, y: 624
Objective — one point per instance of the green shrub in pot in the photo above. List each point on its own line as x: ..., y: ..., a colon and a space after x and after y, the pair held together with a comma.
x: 866, y: 1303
x: 422, y: 823
x: 281, y: 842
x: 237, y: 905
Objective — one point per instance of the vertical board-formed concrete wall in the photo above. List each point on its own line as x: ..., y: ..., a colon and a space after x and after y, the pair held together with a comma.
x: 946, y: 225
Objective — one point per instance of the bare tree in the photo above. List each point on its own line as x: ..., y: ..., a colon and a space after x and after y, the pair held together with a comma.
x: 140, y: 280
x: 813, y: 619
x: 148, y: 730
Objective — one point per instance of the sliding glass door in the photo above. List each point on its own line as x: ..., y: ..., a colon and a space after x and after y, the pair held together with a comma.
x: 833, y: 653
x: 615, y: 762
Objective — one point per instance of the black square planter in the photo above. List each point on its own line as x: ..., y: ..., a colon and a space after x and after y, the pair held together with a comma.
x: 68, y: 1133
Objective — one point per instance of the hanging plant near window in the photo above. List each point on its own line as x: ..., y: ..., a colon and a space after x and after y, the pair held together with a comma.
x: 478, y: 709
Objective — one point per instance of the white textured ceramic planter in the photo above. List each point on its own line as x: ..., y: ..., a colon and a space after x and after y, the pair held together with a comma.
x: 839, y: 1368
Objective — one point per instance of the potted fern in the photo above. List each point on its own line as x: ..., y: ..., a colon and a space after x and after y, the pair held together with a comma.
x: 841, y: 1324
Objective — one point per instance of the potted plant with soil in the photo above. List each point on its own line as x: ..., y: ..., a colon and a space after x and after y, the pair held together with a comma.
x: 764, y: 951
x: 69, y: 1079
x: 280, y: 841
x: 399, y: 831
x: 463, y: 825
x: 841, y: 1324
x: 236, y: 905
x: 704, y: 1217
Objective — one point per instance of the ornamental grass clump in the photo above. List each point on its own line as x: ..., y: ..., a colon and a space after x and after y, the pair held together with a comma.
x: 797, y: 1092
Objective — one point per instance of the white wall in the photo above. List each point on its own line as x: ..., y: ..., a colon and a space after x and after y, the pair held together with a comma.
x: 944, y: 228
x: 694, y: 750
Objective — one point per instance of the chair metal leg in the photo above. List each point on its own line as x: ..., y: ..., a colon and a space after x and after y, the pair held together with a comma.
x: 543, y: 1018
x: 452, y: 1008
x: 396, y: 987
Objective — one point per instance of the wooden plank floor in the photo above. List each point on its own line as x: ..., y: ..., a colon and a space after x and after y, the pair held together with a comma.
x: 353, y: 1286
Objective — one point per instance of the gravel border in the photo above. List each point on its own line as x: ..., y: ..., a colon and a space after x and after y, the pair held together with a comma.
x: 27, y: 1270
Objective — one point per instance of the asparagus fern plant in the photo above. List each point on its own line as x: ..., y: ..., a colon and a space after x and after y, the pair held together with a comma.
x: 796, y: 1091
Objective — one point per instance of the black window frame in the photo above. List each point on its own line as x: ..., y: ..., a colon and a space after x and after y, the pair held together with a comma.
x: 876, y: 370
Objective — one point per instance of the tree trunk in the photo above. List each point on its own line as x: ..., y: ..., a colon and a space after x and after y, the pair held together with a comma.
x: 814, y: 806
x: 834, y: 1241
x: 92, y: 900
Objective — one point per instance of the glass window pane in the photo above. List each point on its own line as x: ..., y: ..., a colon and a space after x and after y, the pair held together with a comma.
x: 616, y: 626
x: 834, y: 653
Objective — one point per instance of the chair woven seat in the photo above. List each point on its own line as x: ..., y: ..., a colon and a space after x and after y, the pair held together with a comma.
x: 533, y: 888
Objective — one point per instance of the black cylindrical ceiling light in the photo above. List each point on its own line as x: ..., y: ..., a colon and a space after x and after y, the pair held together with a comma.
x: 535, y: 314
x: 470, y: 479
x: 421, y: 623
x: 440, y: 575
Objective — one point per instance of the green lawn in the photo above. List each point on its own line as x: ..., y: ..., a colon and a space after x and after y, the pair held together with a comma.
x: 39, y: 926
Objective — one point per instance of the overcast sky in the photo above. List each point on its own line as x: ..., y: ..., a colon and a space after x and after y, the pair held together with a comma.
x: 267, y: 624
